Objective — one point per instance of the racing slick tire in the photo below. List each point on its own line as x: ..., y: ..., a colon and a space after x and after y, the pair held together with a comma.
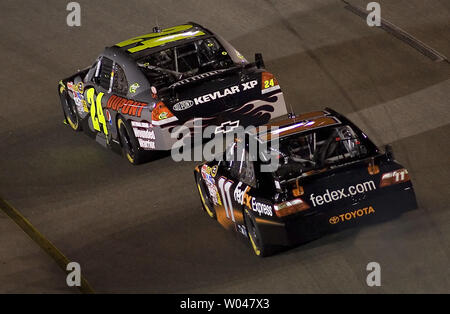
x: 259, y: 247
x: 69, y: 110
x: 129, y: 143
x: 206, y: 203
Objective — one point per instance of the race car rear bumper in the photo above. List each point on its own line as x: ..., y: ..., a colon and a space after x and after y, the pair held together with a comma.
x: 387, y: 204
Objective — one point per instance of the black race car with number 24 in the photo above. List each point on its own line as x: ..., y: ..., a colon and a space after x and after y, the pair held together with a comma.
x: 138, y: 91
x: 330, y: 176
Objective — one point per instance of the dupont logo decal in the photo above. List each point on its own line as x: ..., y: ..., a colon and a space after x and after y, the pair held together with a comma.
x: 126, y: 106
x: 183, y: 105
x: 351, y: 215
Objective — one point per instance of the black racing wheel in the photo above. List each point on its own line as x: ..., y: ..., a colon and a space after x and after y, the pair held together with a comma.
x: 259, y: 247
x: 130, y: 145
x: 208, y: 206
x: 70, y: 111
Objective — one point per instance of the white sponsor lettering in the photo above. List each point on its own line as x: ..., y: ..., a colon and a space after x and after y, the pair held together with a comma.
x: 353, y: 190
x: 226, y: 92
x: 261, y: 208
x: 136, y: 124
x: 146, y: 144
x: 239, y: 193
x: 145, y: 134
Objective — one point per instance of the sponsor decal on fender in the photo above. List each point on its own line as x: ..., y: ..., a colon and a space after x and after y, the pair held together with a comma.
x: 126, y: 106
x: 212, y: 171
x: 351, y: 215
x: 108, y: 117
x: 146, y: 144
x: 261, y: 208
x: 241, y: 197
x: 208, y: 175
x: 77, y: 91
x: 134, y: 88
x: 144, y: 133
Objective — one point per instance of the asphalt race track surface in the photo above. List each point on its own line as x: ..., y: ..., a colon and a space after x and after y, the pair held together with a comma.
x: 141, y: 229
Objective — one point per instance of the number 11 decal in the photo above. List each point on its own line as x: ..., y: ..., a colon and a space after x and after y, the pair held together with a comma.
x: 224, y: 187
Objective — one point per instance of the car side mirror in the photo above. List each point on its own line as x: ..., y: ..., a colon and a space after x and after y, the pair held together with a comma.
x: 389, y: 152
x: 259, y: 61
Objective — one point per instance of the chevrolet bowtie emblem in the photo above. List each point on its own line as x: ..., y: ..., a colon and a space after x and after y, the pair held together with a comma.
x: 227, y: 127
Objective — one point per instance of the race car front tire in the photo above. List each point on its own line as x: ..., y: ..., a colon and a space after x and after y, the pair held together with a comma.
x: 206, y: 203
x: 69, y: 110
x: 129, y: 143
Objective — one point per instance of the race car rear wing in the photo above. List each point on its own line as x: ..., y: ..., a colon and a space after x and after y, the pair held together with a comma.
x: 259, y: 63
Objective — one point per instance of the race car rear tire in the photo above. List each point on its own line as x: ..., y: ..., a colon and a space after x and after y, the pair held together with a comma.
x: 129, y: 143
x: 259, y: 247
x: 70, y: 111
x: 206, y: 203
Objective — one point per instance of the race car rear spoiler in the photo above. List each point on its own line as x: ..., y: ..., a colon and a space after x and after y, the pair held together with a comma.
x: 259, y: 63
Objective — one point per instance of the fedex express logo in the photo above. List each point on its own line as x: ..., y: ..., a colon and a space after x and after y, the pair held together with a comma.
x: 241, y: 196
x: 226, y: 92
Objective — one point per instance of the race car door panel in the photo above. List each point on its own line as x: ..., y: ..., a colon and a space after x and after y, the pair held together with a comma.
x: 97, y: 92
x: 233, y: 186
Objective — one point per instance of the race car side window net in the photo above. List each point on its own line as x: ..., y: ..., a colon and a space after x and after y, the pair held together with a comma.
x: 247, y: 170
x: 120, y: 83
x: 103, y: 73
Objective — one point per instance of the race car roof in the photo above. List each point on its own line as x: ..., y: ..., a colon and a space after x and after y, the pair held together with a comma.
x: 143, y: 45
x: 297, y: 124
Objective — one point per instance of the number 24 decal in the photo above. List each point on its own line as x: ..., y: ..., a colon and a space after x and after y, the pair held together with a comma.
x: 269, y: 83
x: 97, y: 116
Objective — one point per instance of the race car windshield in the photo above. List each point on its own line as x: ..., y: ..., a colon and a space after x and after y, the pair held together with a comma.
x: 165, y: 67
x: 325, y: 147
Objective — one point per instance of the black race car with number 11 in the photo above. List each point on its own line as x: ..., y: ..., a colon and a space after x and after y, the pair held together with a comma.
x: 329, y: 176
x: 138, y: 91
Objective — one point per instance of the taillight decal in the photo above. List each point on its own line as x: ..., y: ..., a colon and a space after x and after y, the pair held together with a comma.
x: 394, y: 177
x: 290, y: 207
x: 162, y: 115
x: 268, y: 83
